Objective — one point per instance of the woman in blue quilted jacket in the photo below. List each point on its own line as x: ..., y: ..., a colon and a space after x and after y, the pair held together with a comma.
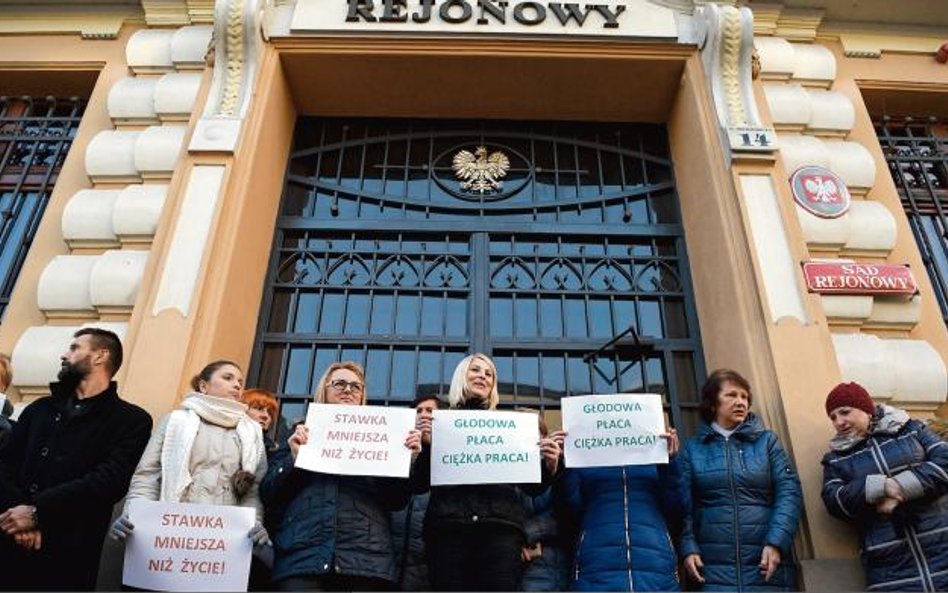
x: 624, y: 516
x: 888, y: 474
x: 742, y: 496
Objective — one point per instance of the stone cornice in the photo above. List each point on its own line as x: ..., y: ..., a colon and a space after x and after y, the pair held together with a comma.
x: 101, y: 21
x: 159, y: 13
x: 869, y: 40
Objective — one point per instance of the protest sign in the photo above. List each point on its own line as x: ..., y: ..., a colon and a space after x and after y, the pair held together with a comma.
x: 357, y: 440
x: 188, y: 547
x: 619, y: 429
x: 489, y: 447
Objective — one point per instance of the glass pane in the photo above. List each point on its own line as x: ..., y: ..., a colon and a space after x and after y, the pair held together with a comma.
x: 297, y: 371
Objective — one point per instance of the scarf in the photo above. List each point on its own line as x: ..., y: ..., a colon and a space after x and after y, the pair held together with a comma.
x: 182, y: 428
x: 885, y: 421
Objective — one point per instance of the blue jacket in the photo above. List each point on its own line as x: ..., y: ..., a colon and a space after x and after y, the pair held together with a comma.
x: 907, y: 550
x: 550, y: 571
x: 624, y: 515
x: 741, y: 494
x: 328, y: 523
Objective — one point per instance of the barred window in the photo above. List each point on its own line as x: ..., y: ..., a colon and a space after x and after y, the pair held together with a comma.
x: 916, y: 149
x: 35, y: 135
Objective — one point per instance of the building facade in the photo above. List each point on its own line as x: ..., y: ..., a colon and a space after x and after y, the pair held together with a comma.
x: 599, y: 195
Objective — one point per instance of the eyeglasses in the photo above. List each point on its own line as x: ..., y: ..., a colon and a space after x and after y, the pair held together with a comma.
x: 342, y: 385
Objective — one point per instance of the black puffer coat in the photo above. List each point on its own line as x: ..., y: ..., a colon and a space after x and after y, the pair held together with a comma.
x: 327, y: 523
x: 907, y: 550
x: 410, y: 559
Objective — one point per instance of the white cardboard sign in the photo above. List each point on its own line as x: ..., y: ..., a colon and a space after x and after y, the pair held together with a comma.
x: 357, y: 440
x: 618, y: 429
x: 484, y: 447
x: 188, y: 547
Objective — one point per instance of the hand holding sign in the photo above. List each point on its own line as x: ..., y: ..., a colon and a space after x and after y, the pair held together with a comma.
x: 357, y: 440
x: 619, y: 429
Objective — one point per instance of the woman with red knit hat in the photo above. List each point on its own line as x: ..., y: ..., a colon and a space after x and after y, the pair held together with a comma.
x: 888, y: 474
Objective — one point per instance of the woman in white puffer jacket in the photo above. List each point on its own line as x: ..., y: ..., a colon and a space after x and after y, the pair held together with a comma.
x: 206, y: 451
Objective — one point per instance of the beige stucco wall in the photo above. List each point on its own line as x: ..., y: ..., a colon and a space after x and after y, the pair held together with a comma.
x: 38, y: 63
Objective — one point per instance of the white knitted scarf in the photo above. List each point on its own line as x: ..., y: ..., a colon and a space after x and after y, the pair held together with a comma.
x: 183, y: 425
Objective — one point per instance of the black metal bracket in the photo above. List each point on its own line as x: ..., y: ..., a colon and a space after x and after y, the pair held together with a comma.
x: 619, y: 341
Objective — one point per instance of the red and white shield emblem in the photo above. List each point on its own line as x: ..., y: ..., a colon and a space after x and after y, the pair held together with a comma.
x: 820, y: 192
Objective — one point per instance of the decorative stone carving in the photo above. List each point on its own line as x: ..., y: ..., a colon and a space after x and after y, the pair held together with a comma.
x: 87, y: 218
x: 790, y: 106
x: 726, y: 40
x: 149, y: 50
x: 36, y: 355
x: 132, y: 101
x: 901, y: 370
x: 63, y: 289
x: 814, y: 65
x: 157, y: 150
x: 868, y: 228
x: 236, y: 52
x: 137, y: 209
x: 872, y: 229
x: 175, y: 94
x: 110, y: 156
x: 831, y: 113
x: 799, y: 151
x: 115, y: 278
x: 853, y: 163
x: 189, y: 46
x: 777, y: 57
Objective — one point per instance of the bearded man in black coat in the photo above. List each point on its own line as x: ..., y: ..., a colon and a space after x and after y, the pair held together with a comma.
x: 69, y: 460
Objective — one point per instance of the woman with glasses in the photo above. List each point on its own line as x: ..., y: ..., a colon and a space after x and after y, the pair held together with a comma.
x: 331, y: 532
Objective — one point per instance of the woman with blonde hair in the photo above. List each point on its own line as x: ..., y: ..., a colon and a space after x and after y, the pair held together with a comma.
x: 331, y: 532
x: 474, y: 534
x: 206, y: 451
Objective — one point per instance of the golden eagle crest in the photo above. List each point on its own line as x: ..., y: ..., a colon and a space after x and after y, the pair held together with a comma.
x: 479, y: 172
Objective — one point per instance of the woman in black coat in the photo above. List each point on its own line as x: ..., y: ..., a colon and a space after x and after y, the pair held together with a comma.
x: 331, y: 532
x: 474, y: 534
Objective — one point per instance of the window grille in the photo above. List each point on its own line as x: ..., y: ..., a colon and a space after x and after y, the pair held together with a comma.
x: 916, y: 150
x: 35, y: 135
x: 382, y: 257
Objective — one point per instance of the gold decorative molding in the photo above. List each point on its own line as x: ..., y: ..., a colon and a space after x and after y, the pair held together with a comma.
x: 799, y: 24
x: 731, y: 36
x: 766, y: 17
x: 176, y: 13
x: 234, y: 43
x: 870, y: 41
x: 91, y: 22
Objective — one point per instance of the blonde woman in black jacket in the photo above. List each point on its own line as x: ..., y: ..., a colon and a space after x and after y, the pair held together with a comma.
x: 474, y: 534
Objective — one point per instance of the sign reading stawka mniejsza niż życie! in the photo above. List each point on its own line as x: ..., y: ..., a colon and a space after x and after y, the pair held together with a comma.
x: 357, y: 440
x: 188, y: 547
x: 625, y: 18
x: 619, y: 429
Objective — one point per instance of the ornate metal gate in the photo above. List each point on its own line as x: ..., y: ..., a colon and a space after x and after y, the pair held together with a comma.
x: 404, y: 245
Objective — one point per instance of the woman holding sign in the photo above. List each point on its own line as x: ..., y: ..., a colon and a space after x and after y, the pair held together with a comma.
x: 332, y: 531
x: 474, y: 534
x: 624, y: 516
x: 743, y: 496
x: 207, y: 451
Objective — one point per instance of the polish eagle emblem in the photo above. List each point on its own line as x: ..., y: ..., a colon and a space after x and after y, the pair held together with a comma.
x: 479, y: 171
